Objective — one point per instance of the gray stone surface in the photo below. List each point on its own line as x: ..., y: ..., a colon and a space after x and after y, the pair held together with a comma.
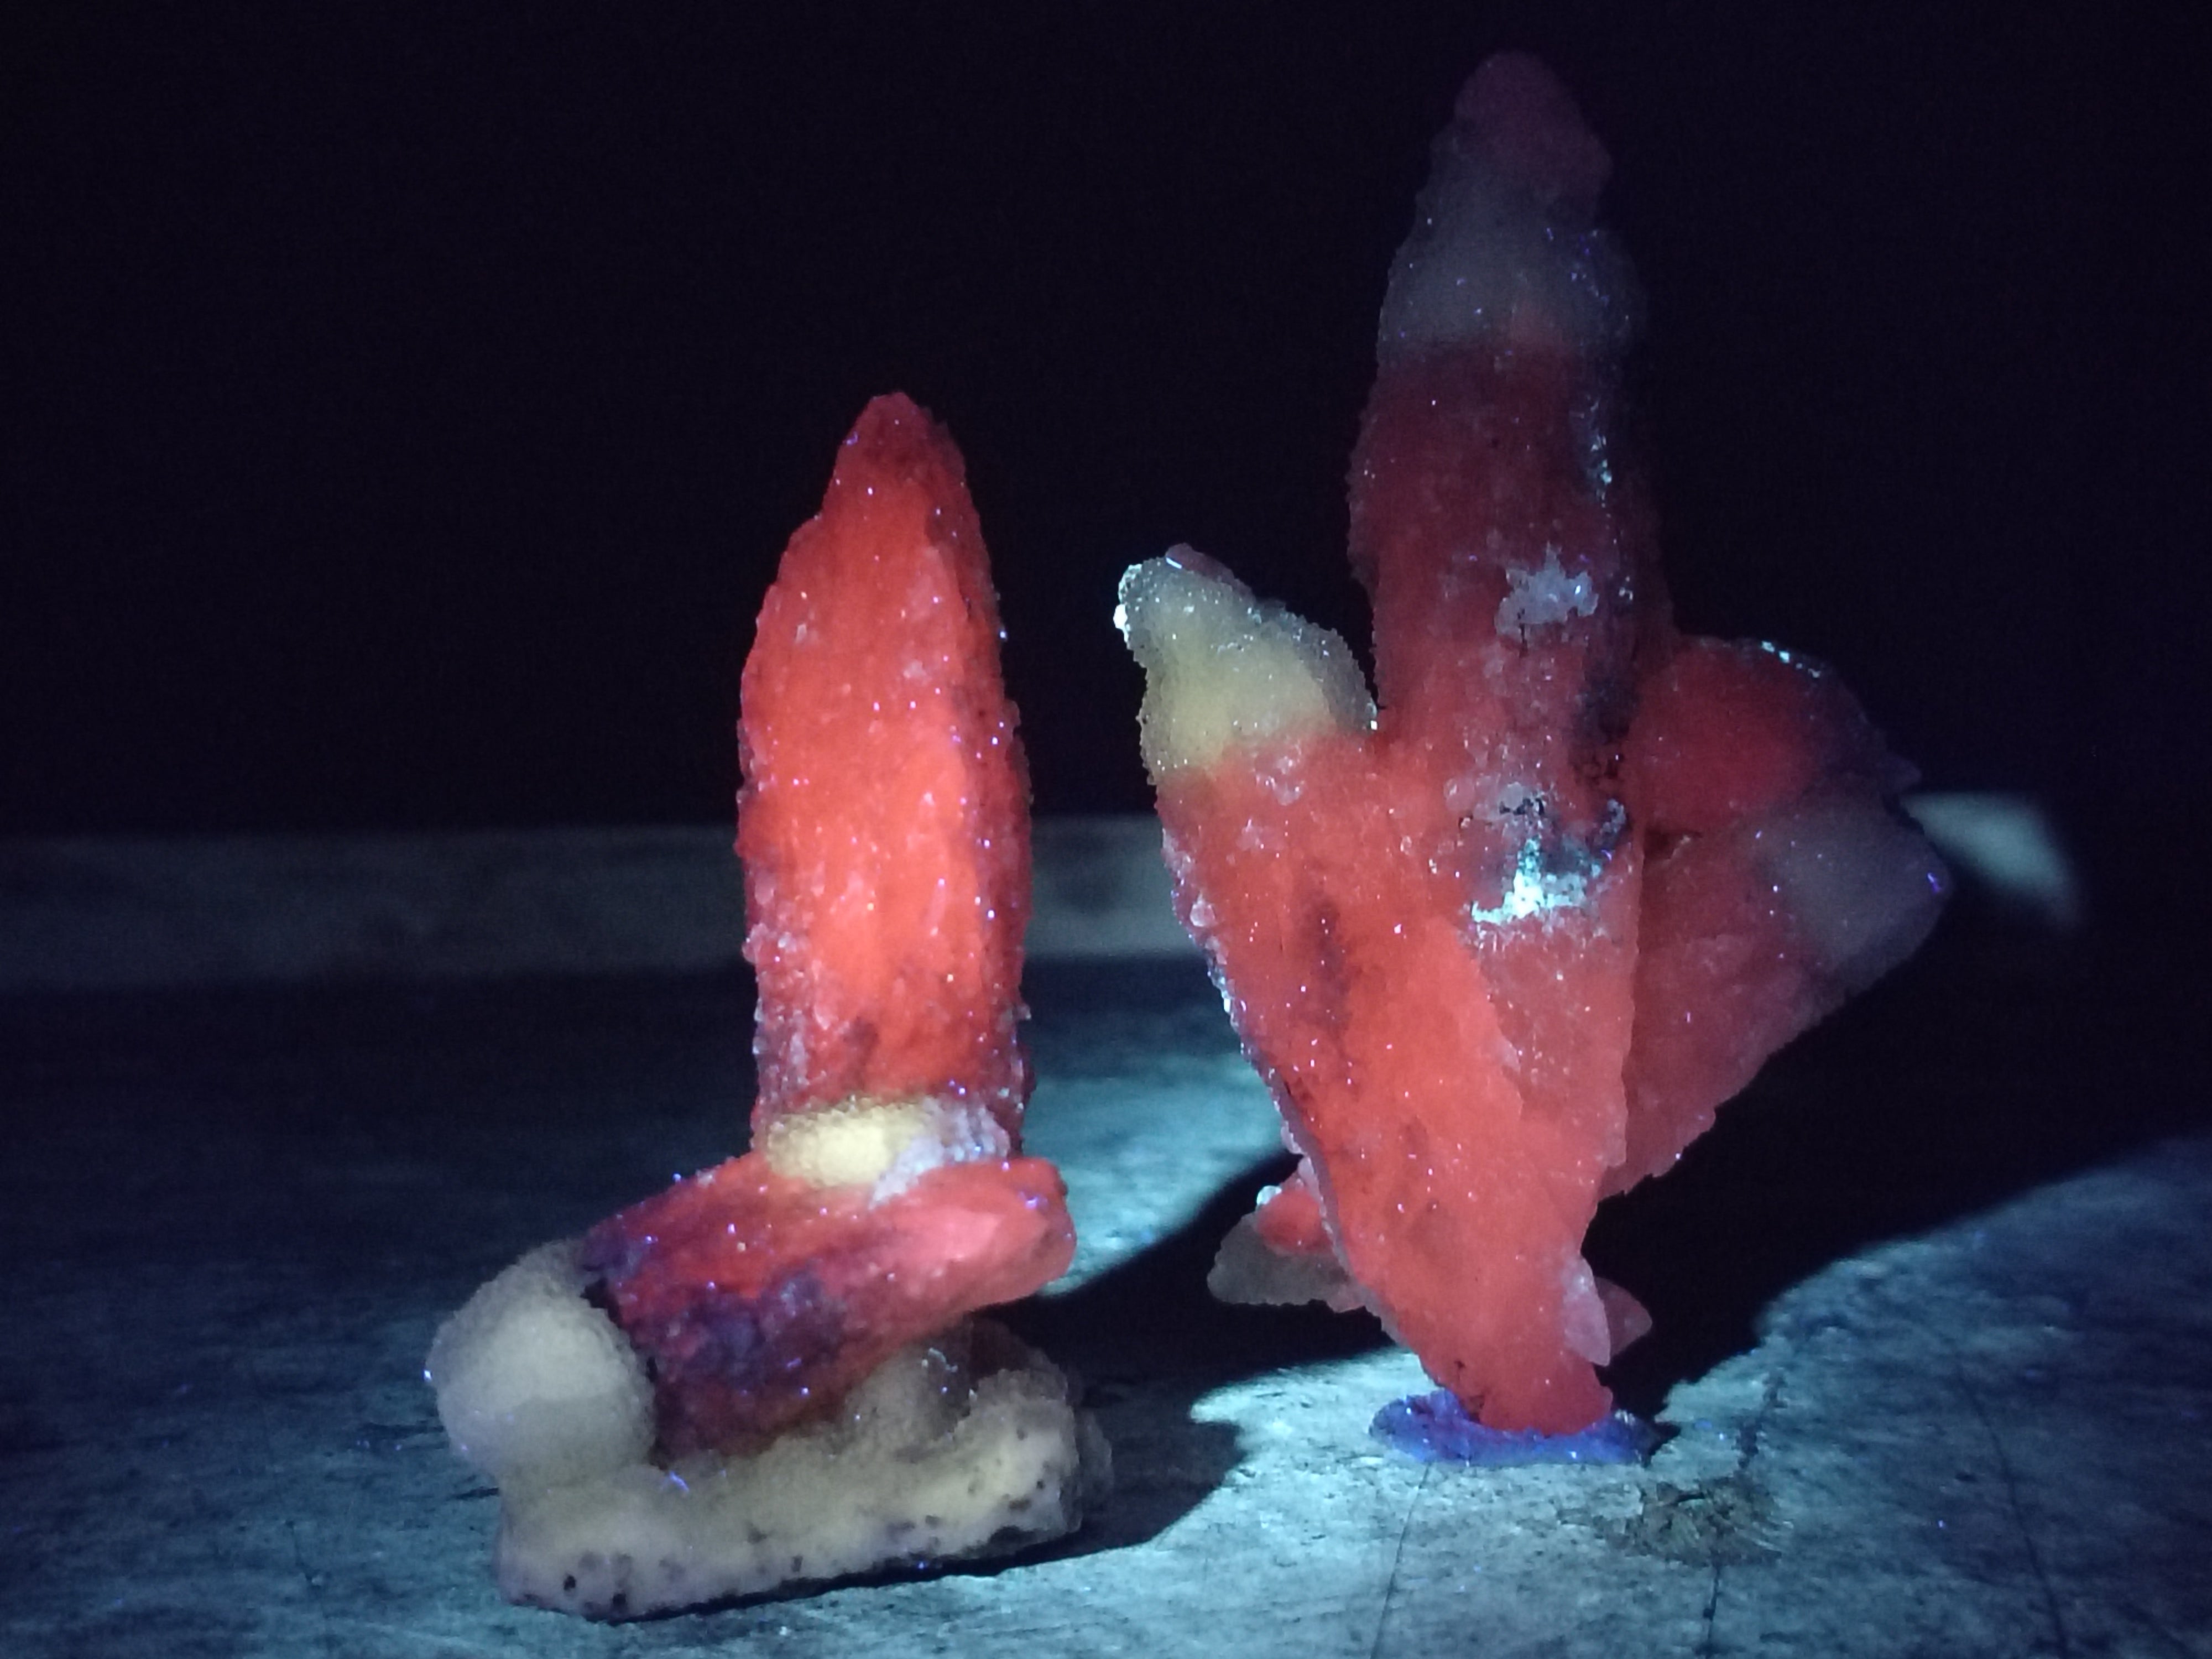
x: 120, y: 912
x: 1934, y: 1304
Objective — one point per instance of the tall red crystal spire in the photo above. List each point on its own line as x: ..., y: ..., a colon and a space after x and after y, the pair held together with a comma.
x: 883, y: 822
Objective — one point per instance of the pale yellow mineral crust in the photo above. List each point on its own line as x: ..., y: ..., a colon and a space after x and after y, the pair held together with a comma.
x: 967, y: 1445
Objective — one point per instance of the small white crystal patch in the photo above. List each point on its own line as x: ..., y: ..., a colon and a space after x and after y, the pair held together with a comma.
x: 1544, y: 596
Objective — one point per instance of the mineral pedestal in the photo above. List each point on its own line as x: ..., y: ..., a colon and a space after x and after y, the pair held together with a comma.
x: 1501, y: 945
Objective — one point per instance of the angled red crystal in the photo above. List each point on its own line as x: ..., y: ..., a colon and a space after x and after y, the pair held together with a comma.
x: 761, y: 1299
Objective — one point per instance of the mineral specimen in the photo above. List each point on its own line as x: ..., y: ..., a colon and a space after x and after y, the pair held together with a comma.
x: 884, y: 831
x: 1500, y: 947
x: 765, y: 1373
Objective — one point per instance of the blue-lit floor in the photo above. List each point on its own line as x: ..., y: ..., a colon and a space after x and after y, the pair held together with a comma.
x: 1934, y: 1311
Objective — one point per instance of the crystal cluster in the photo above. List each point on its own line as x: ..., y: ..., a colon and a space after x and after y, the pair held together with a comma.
x: 767, y: 1372
x: 1503, y: 938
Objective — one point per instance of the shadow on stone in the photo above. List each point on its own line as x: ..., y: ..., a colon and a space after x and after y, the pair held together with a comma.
x: 1148, y: 1340
x: 2002, y: 1058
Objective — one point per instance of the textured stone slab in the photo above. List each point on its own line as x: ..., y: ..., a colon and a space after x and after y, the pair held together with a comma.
x: 236, y: 1219
x: 118, y: 913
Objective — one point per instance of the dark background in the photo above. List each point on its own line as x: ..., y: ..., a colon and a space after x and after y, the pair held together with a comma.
x: 404, y: 406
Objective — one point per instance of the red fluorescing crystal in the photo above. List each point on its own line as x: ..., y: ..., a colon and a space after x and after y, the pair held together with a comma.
x: 1290, y: 1222
x: 884, y: 823
x: 1505, y: 953
x: 761, y: 1298
x: 884, y: 831
x: 1726, y: 732
x: 1457, y: 1199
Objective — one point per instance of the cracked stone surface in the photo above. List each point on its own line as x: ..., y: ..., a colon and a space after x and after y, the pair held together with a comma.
x: 1934, y: 1335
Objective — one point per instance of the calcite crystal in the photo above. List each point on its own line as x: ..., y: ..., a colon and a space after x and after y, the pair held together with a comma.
x: 1501, y: 940
x: 884, y: 823
x: 766, y: 1373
